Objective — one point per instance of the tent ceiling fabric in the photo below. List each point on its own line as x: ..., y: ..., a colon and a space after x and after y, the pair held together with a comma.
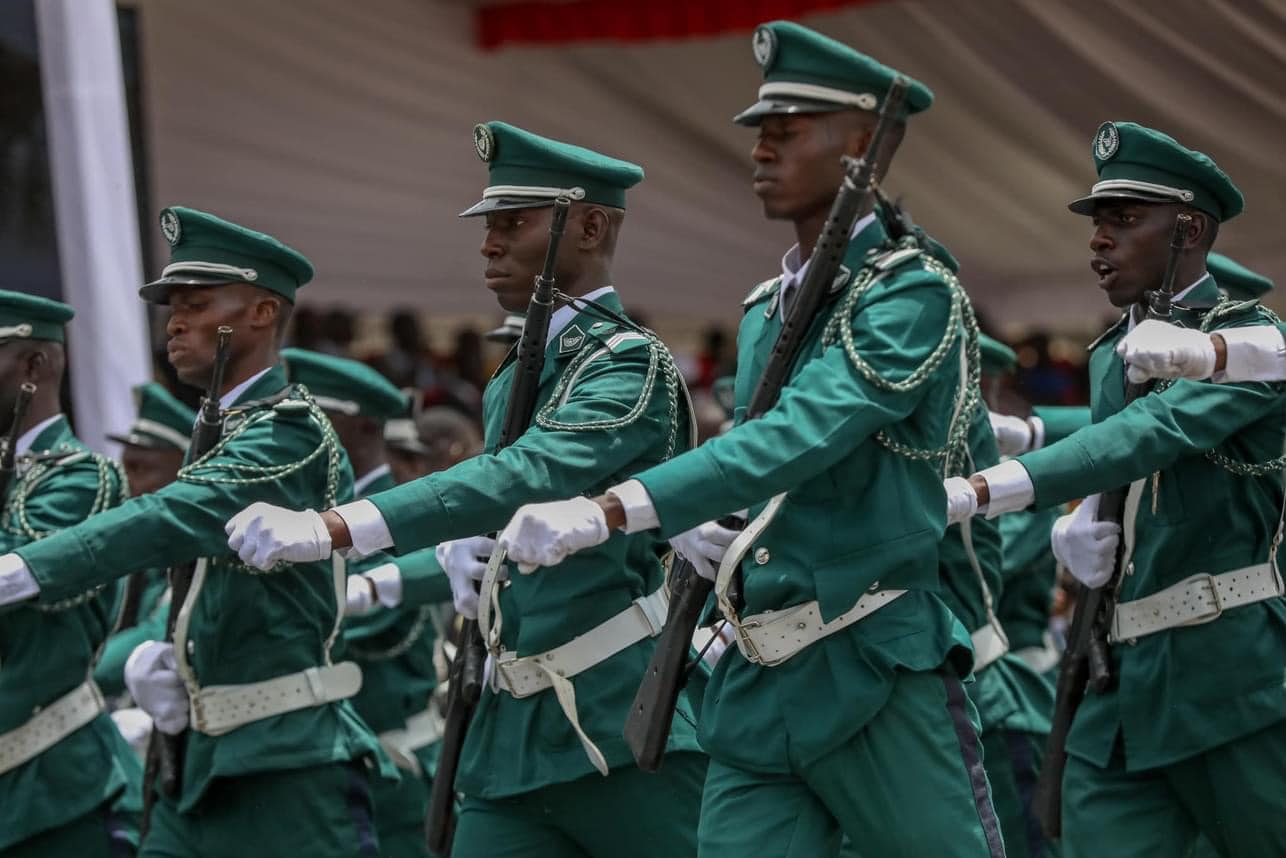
x: 345, y: 128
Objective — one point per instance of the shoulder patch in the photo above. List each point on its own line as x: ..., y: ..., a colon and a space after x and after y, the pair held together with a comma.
x: 571, y: 340
x: 762, y: 291
x: 291, y: 406
x: 892, y: 259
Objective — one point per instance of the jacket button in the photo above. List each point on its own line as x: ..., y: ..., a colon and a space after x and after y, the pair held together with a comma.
x: 191, y: 647
x: 875, y: 586
x: 762, y: 556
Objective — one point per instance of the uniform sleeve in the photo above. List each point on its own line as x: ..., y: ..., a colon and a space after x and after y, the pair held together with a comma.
x: 182, y: 521
x: 424, y: 582
x: 1059, y: 421
x: 480, y: 494
x: 823, y: 414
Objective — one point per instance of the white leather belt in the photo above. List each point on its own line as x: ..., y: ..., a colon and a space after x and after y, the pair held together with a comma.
x: 1043, y: 658
x: 989, y: 644
x: 773, y: 637
x: 422, y: 729
x: 523, y: 677
x: 1195, y: 600
x: 220, y: 709
x: 51, y: 725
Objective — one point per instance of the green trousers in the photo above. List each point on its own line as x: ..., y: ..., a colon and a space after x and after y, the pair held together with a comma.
x: 1013, y: 765
x: 400, y: 810
x: 102, y: 833
x: 909, y: 784
x: 628, y: 814
x: 318, y: 812
x: 1230, y: 795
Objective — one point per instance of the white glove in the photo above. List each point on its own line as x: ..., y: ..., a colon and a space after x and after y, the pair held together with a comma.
x: 264, y: 535
x: 1013, y: 434
x: 152, y: 677
x: 962, y: 499
x: 544, y: 534
x: 360, y: 598
x: 465, y: 562
x: 1085, y: 546
x: 704, y: 546
x: 135, y: 726
x: 1158, y: 349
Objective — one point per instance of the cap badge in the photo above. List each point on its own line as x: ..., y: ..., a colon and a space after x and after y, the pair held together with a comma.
x: 1107, y: 141
x: 170, y: 227
x: 484, y: 142
x: 764, y: 44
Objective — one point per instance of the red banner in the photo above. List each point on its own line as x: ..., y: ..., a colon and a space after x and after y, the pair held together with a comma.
x: 536, y: 22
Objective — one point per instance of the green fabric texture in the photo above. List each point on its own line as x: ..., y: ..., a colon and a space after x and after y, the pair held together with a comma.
x: 1129, y: 152
x: 44, y: 654
x: 101, y: 833
x: 1030, y: 575
x: 796, y: 61
x: 199, y: 240
x: 347, y: 386
x: 424, y: 581
x: 282, y: 618
x: 1061, y: 420
x: 997, y: 358
x: 1182, y: 691
x: 1237, y: 280
x: 157, y: 407
x: 30, y: 317
x: 518, y: 158
x: 617, y: 418
x: 109, y: 672
x: 630, y: 814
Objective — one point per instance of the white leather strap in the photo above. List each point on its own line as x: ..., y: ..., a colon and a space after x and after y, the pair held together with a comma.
x: 1195, y: 600
x: 51, y: 725
x: 523, y: 677
x: 1043, y: 658
x: 422, y: 729
x: 220, y: 709
x: 773, y: 637
x: 989, y: 644
x: 738, y: 548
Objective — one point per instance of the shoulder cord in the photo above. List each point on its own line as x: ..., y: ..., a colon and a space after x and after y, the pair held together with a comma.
x: 422, y: 619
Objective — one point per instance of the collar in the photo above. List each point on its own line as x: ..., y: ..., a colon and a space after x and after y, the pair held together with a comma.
x: 28, y: 438
x: 792, y: 271
x: 230, y: 398
x: 1197, y: 290
x: 562, y: 317
x: 360, y: 484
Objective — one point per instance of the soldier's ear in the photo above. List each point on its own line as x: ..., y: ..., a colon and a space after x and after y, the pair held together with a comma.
x: 266, y: 312
x: 595, y: 226
x: 36, y: 365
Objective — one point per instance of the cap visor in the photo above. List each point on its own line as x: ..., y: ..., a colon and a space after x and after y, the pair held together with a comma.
x: 158, y: 291
x: 755, y: 113
x: 495, y: 204
x: 1085, y: 205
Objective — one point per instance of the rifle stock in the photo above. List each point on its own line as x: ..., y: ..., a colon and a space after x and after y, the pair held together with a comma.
x: 647, y: 727
x: 1087, y: 661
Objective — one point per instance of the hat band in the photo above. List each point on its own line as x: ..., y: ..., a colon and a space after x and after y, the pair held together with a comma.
x: 143, y: 426
x: 16, y: 331
x: 211, y: 268
x: 343, y: 406
x: 1178, y: 194
x: 402, y: 433
x: 787, y: 89
x: 533, y: 191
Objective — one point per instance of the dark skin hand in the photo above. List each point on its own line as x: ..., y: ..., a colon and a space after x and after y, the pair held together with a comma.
x: 150, y: 468
x: 196, y: 314
x: 42, y: 364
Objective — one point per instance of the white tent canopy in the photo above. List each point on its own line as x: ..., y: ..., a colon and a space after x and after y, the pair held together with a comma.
x: 345, y: 128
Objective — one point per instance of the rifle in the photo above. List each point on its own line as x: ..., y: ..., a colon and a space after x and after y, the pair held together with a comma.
x: 9, y: 446
x: 465, y: 674
x: 1086, y: 662
x: 165, y: 752
x: 647, y: 727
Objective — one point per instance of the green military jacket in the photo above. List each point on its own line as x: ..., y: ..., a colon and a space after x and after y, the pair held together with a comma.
x: 858, y: 516
x: 1185, y: 690
x: 1061, y: 420
x: 47, y: 650
x: 609, y: 405
x: 246, y: 626
x: 109, y: 673
x: 1030, y: 575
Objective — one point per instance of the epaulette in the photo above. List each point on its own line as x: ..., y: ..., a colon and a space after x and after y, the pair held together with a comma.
x: 760, y: 292
x: 891, y: 259
x: 615, y: 339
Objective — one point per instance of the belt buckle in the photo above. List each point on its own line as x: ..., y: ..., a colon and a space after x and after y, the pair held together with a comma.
x: 1213, y: 586
x: 746, y: 644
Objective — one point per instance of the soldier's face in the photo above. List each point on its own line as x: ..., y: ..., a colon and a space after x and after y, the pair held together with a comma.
x: 150, y: 468
x: 514, y: 246
x: 196, y: 313
x: 1130, y: 247
x: 797, y: 163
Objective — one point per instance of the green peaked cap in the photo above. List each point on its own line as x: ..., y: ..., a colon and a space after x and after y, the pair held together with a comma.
x: 30, y: 317
x: 162, y: 422
x: 1139, y: 163
x: 343, y: 385
x: 997, y: 358
x: 528, y: 171
x: 1237, y: 280
x: 806, y: 72
x: 206, y: 250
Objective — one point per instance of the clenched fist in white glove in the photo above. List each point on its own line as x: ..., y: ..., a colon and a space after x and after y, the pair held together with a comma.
x: 962, y: 499
x: 544, y: 534
x: 1013, y: 434
x: 264, y: 535
x: 704, y: 546
x: 1157, y: 349
x: 152, y: 677
x: 465, y: 562
x: 1085, y: 546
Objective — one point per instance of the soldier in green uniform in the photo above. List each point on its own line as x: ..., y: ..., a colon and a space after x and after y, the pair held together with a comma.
x: 1192, y: 737
x: 845, y: 700
x: 68, y: 781
x: 545, y: 770
x: 433, y: 440
x: 394, y: 647
x: 249, y: 681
